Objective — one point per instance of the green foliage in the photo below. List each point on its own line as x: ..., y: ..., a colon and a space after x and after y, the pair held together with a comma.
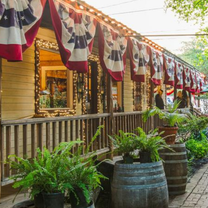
x: 124, y: 143
x: 198, y: 149
x: 85, y: 177
x: 189, y: 9
x: 170, y: 117
x: 59, y: 170
x: 195, y: 52
x: 193, y: 127
x: 46, y: 173
x: 151, y: 142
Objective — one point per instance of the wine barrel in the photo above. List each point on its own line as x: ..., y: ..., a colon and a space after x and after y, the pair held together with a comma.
x: 139, y: 186
x: 175, y: 166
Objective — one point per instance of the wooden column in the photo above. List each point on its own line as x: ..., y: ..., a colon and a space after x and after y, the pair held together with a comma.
x: 110, y: 110
x: 0, y: 119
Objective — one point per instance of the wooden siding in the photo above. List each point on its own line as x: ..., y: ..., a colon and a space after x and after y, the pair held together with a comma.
x: 18, y: 87
x: 128, y: 89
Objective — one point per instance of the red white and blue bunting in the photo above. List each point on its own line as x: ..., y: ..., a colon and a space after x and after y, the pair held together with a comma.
x: 169, y: 67
x: 19, y: 24
x: 156, y: 66
x: 187, y: 79
x: 139, y: 59
x: 193, y: 81
x: 179, y: 75
x: 75, y: 31
x: 112, y: 51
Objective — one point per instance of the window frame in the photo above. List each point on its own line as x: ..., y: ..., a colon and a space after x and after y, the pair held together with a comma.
x: 44, y: 112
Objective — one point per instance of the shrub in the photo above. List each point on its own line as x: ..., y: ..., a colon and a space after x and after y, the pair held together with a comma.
x: 198, y: 148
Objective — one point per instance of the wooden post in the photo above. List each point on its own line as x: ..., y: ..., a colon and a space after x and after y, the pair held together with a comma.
x: 110, y: 110
x: 0, y: 121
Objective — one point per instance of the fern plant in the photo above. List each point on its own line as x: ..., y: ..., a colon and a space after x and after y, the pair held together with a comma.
x: 124, y: 143
x: 45, y: 173
x: 85, y: 177
x: 170, y: 117
x: 151, y: 143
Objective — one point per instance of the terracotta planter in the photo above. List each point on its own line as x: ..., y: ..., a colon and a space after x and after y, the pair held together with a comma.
x: 169, y: 131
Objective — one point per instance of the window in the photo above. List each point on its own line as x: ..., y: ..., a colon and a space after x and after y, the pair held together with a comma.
x: 117, y: 92
x: 55, y: 84
x: 55, y: 87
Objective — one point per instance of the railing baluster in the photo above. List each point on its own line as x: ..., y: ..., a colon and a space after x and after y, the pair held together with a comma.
x: 48, y: 136
x: 103, y: 132
x: 107, y: 131
x: 66, y: 131
x: 8, y: 149
x: 33, y: 145
x: 87, y: 132
x: 54, y: 134
x: 91, y: 133
x: 77, y: 129
x: 2, y: 153
x: 16, y: 141
x: 99, y: 137
x: 81, y: 129
x: 60, y: 131
x: 72, y: 133
x: 24, y: 140
x: 40, y: 136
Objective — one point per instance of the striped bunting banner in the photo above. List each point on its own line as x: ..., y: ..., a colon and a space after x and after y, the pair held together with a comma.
x: 179, y: 75
x: 75, y: 31
x: 139, y: 54
x: 19, y: 23
x: 112, y: 51
x: 156, y: 66
x: 187, y: 79
x: 193, y: 81
x: 169, y: 67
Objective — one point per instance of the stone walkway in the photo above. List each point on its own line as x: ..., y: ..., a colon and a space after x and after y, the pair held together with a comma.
x: 196, y: 195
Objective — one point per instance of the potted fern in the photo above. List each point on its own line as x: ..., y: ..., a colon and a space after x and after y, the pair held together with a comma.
x: 85, y: 178
x: 149, y: 145
x: 171, y: 118
x: 44, y: 175
x: 125, y: 144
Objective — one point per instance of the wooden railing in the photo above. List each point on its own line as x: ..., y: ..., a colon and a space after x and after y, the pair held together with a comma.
x: 22, y: 137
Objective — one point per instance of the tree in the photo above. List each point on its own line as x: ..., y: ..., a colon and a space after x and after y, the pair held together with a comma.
x: 196, y: 53
x: 195, y: 10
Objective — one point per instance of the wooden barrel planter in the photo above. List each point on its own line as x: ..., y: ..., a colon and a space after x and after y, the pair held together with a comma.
x: 175, y: 166
x: 139, y: 186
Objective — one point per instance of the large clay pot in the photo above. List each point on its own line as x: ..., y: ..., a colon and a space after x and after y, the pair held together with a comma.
x: 172, y: 131
x: 139, y: 186
x: 175, y: 166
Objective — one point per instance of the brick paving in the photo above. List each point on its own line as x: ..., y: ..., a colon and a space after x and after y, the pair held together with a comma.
x: 196, y: 195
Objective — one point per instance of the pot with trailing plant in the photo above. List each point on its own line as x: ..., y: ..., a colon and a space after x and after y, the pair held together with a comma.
x: 125, y: 144
x: 140, y: 182
x: 171, y: 118
x: 44, y: 175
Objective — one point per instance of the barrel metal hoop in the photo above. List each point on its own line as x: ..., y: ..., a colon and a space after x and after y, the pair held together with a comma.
x: 177, y: 185
x: 176, y: 178
x: 176, y: 161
